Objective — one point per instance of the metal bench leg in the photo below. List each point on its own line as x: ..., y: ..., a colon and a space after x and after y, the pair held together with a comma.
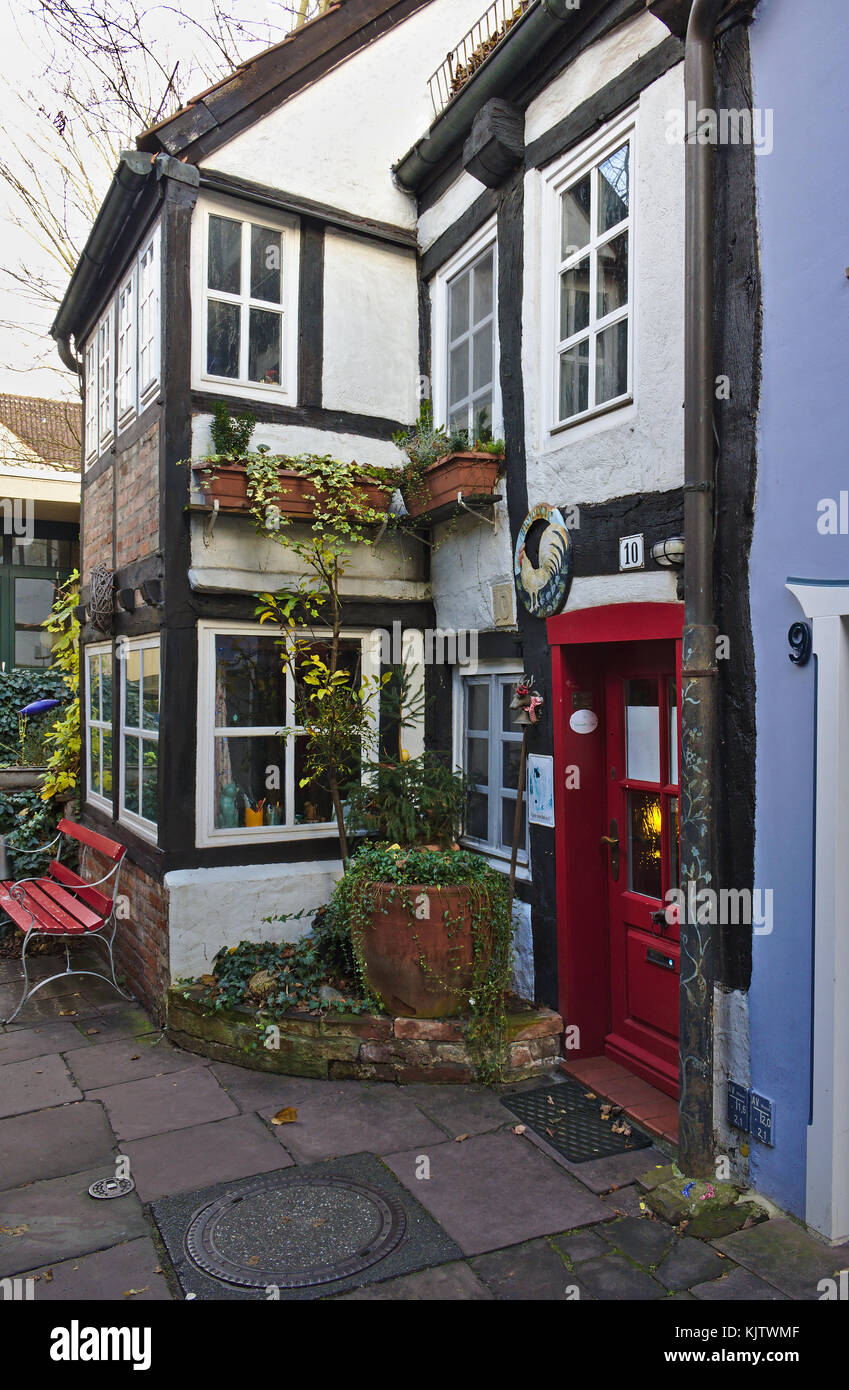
x: 23, y: 997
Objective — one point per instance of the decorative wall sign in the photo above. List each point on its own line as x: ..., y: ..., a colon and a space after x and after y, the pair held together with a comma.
x: 543, y: 589
x: 583, y: 721
x: 632, y: 552
x: 540, y: 789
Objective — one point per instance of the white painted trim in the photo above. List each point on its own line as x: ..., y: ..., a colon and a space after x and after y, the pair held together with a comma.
x: 475, y: 247
x: 93, y: 798
x: 827, y: 1176
x: 287, y: 391
x: 558, y: 176
x: 506, y: 666
x: 206, y: 832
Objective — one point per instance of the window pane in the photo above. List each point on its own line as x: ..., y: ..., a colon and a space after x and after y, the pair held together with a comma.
x: 225, y: 255
x: 94, y: 687
x: 33, y: 601
x: 613, y: 275
x: 266, y: 262
x: 642, y: 726
x: 313, y: 803
x: 249, y: 775
x: 44, y: 553
x: 482, y: 374
x: 150, y: 688
x: 508, y: 723
x: 508, y: 822
x: 673, y: 733
x: 94, y: 761
x: 107, y: 762
x: 477, y: 761
x: 132, y: 677
x: 477, y: 708
x: 264, y: 346
x: 613, y: 180
x: 611, y: 362
x: 483, y: 288
x: 458, y: 379
x: 575, y: 218
x: 149, y: 786
x: 575, y: 299
x: 477, y: 816
x: 223, y: 339
x: 458, y: 303
x: 644, y: 844
x: 458, y: 420
x: 482, y: 417
x: 249, y: 683
x: 106, y: 686
x: 511, y: 760
x: 574, y: 380
x: 131, y: 774
x: 674, y: 832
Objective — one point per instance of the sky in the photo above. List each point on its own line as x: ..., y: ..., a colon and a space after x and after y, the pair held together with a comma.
x: 29, y: 364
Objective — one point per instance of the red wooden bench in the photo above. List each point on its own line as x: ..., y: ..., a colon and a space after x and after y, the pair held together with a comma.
x: 65, y: 904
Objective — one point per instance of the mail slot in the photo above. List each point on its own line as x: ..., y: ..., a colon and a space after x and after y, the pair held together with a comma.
x: 658, y: 958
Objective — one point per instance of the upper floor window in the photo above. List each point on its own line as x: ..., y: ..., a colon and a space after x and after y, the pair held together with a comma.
x: 593, y: 277
x: 465, y: 349
x: 122, y: 356
x: 248, y: 326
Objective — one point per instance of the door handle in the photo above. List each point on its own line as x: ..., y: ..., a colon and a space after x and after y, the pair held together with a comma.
x: 612, y: 842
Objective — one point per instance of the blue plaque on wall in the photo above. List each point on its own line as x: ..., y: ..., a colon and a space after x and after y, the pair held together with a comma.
x: 761, y: 1119
x: 738, y: 1106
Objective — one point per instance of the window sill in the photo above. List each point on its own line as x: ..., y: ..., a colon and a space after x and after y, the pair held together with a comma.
x: 246, y: 390
x: 498, y: 861
x: 598, y: 412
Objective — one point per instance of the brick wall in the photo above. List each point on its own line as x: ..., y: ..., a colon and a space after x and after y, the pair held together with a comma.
x: 141, y: 941
x: 97, y: 524
x: 137, y: 524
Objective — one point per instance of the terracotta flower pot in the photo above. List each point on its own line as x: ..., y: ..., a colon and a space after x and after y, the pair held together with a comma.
x: 408, y: 924
x: 475, y: 474
x: 227, y: 483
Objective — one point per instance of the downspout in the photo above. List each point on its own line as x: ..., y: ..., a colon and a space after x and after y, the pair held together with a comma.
x: 699, y: 671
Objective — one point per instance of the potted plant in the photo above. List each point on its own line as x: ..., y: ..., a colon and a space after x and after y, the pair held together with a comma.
x: 442, y: 464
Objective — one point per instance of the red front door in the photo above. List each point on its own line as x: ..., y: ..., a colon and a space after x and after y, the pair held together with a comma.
x: 641, y: 830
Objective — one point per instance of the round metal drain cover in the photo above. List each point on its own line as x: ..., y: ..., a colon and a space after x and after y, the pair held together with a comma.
x: 296, y: 1233
x: 111, y: 1187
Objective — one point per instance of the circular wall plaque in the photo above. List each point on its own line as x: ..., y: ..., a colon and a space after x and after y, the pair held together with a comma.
x: 583, y: 721
x: 543, y: 588
x: 295, y: 1233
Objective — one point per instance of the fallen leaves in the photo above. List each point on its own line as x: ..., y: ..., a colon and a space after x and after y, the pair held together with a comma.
x: 518, y: 1129
x: 287, y: 1116
x: 129, y: 1293
x: 13, y: 1230
x: 460, y: 1138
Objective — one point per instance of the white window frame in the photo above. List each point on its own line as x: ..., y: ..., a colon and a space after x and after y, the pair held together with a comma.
x: 125, y: 377
x: 148, y: 829
x: 567, y: 171
x: 91, y: 402
x: 497, y: 856
x: 285, y: 391
x: 486, y: 239
x: 207, y: 832
x: 148, y: 318
x: 96, y: 798
x: 106, y: 378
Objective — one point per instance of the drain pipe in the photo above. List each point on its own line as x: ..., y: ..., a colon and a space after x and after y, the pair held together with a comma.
x: 699, y: 672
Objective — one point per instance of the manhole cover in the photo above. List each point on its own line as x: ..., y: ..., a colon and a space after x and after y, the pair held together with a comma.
x: 295, y: 1233
x: 111, y: 1187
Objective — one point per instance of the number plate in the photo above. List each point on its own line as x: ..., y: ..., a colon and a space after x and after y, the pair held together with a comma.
x: 632, y: 553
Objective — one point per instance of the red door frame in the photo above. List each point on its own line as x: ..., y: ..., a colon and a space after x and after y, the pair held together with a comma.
x: 576, y: 640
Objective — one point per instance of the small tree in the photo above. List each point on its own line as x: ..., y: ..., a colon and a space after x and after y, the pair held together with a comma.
x: 64, y: 761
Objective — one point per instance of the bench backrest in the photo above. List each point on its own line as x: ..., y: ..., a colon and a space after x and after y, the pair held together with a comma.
x: 109, y: 848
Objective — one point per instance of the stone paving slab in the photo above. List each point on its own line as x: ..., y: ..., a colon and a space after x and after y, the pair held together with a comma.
x: 53, y: 1142
x: 613, y: 1278
x: 36, y: 1083
x: 690, y: 1262
x: 495, y: 1190
x: 624, y: 1201
x: 48, y: 1006
x: 642, y: 1240
x: 447, y: 1283
x: 127, y: 1273
x: 531, y: 1272
x: 159, y: 1104
x: 262, y: 1091
x: 128, y: 1059
x: 18, y: 1044
x: 202, y: 1155
x: 580, y: 1245
x: 460, y: 1109
x: 785, y: 1256
x: 739, y: 1285
x: 351, y: 1117
x: 57, y: 1219
x: 118, y: 1020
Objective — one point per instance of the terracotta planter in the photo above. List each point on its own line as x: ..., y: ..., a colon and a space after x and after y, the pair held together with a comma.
x: 227, y: 483
x: 408, y: 923
x: 472, y: 473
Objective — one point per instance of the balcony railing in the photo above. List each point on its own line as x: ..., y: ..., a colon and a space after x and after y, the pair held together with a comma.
x: 473, y: 50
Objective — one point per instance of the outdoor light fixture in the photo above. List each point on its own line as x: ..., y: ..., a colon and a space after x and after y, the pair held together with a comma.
x: 669, y: 552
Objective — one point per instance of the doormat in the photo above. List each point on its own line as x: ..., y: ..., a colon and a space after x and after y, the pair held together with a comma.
x: 299, y: 1233
x: 566, y: 1118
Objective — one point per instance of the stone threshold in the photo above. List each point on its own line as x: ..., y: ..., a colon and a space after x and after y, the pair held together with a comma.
x: 358, y: 1047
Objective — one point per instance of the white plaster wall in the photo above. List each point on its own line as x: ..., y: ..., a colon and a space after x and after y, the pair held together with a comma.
x: 592, y: 69
x: 731, y: 1062
x: 371, y: 328
x: 639, y: 447
x: 299, y: 439
x: 456, y: 200
x: 213, y: 908
x: 468, y: 560
x: 336, y: 142
x: 523, y: 951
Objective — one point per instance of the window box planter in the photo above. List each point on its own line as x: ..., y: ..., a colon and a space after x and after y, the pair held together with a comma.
x: 227, y: 484
x: 471, y: 472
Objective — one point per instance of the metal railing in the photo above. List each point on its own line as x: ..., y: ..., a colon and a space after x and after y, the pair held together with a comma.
x: 473, y: 50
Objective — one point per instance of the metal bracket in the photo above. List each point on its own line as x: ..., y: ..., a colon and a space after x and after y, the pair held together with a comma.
x: 209, y: 524
x: 489, y: 521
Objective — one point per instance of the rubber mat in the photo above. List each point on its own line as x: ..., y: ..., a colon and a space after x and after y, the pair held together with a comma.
x: 571, y: 1122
